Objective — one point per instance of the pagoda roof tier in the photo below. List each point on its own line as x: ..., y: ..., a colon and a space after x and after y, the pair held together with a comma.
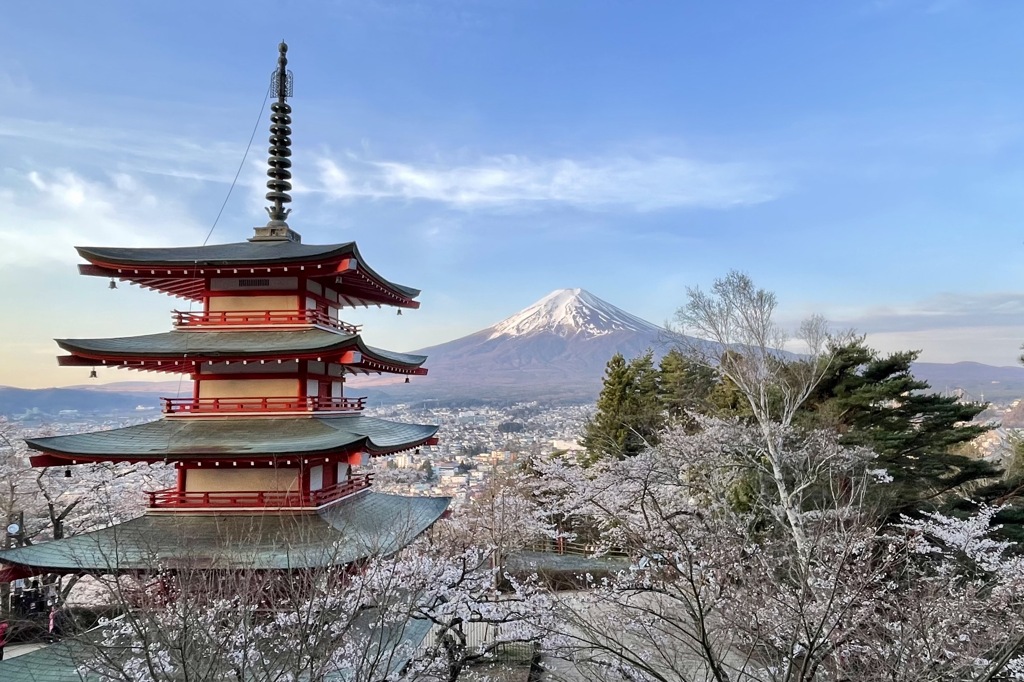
x: 223, y: 440
x: 358, y: 527
x: 183, y: 271
x: 179, y: 351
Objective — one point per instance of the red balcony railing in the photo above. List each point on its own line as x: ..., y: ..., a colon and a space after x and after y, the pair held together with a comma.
x: 177, y: 499
x: 259, y: 404
x: 252, y: 318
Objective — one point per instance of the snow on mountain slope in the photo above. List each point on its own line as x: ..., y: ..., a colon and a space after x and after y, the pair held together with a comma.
x: 571, y: 312
x: 556, y: 348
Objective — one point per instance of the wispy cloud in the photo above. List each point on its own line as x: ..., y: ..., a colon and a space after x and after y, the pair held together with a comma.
x: 924, y: 6
x: 47, y: 212
x: 136, y: 150
x: 992, y: 345
x: 986, y: 327
x: 943, y: 311
x: 640, y: 184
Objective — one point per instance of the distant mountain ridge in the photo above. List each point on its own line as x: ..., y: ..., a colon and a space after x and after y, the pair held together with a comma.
x: 975, y: 380
x: 557, y: 349
x: 15, y: 402
x: 554, y: 350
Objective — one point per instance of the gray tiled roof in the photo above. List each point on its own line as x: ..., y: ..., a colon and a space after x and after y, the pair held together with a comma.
x: 232, y: 344
x: 364, y: 525
x: 240, y: 253
x: 176, y: 439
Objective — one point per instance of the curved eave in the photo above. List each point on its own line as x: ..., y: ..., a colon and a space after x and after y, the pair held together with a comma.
x: 181, y: 351
x: 364, y: 525
x: 237, y: 254
x: 183, y: 271
x: 261, y: 440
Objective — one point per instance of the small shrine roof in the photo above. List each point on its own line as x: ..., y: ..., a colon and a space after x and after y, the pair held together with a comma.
x: 218, y: 439
x: 230, y: 345
x: 364, y: 525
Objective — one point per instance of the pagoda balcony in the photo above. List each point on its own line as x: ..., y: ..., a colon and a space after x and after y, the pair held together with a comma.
x: 172, y: 498
x: 259, y: 405
x: 260, y: 318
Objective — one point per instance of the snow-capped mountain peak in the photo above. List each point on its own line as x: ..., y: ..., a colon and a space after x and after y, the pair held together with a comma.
x: 568, y: 312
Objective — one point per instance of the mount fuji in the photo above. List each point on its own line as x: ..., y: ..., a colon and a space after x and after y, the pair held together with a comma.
x: 571, y: 313
x: 555, y: 349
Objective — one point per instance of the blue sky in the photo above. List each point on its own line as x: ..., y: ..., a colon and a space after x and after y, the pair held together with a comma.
x: 861, y: 159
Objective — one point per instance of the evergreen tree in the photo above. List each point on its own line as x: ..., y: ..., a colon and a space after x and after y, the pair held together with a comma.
x: 629, y: 413
x: 686, y: 386
x: 871, y: 400
x: 876, y: 401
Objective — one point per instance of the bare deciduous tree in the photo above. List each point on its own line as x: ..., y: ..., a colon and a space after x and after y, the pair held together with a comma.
x: 736, y: 333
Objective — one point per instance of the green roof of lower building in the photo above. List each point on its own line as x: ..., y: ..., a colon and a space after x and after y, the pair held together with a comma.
x: 365, y: 525
x: 53, y: 663
x: 216, y: 439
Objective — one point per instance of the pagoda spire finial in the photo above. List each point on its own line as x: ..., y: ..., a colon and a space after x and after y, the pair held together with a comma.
x: 277, y: 228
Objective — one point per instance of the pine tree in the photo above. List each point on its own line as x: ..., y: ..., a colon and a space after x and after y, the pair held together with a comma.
x: 876, y: 401
x: 629, y: 413
x: 686, y: 386
x: 871, y: 400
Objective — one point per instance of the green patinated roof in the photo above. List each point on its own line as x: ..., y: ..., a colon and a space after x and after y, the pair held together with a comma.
x: 237, y: 254
x: 54, y: 663
x: 364, y: 525
x: 232, y: 344
x: 175, y: 439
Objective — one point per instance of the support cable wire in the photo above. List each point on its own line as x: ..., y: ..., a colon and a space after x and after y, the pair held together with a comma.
x: 241, y: 164
x: 234, y: 181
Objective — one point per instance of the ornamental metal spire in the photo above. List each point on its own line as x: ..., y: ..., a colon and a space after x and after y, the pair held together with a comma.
x: 276, y: 228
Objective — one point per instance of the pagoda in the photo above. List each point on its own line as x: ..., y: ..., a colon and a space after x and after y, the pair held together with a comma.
x: 269, y: 450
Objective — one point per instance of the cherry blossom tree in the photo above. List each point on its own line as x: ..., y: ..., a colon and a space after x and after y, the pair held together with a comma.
x: 62, y: 501
x: 401, y: 617
x: 505, y: 517
x: 57, y: 502
x: 756, y: 554
x: 718, y: 588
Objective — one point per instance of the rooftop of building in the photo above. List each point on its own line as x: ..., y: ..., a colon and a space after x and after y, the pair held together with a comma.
x: 365, y: 525
x: 272, y: 438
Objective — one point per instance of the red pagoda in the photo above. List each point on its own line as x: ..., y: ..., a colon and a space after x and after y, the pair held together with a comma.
x: 269, y: 448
